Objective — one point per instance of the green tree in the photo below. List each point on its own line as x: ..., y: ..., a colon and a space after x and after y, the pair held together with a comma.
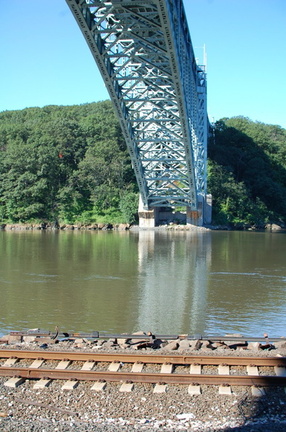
x: 129, y: 206
x: 247, y: 172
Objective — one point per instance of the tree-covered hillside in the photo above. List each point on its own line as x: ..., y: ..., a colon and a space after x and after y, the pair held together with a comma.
x: 247, y: 172
x: 70, y: 164
x: 67, y: 164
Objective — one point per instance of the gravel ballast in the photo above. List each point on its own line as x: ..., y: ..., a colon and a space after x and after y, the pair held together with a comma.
x: 82, y: 409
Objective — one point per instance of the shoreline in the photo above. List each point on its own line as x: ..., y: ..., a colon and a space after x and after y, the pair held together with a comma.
x: 47, y: 226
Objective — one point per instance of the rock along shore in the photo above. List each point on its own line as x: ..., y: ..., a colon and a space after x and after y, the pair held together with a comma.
x: 97, y: 227
x: 125, y: 227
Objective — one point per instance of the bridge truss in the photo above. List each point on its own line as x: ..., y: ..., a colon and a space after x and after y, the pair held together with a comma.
x: 144, y: 52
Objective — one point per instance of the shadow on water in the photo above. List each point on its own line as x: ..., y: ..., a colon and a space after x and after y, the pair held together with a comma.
x: 264, y: 413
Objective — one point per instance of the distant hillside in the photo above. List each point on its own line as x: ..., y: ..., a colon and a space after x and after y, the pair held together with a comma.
x: 70, y: 164
x: 67, y: 164
x: 247, y: 172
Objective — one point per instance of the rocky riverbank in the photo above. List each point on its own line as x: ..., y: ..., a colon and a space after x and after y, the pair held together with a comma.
x: 81, y: 409
x: 63, y: 227
x: 95, y: 227
x: 125, y: 227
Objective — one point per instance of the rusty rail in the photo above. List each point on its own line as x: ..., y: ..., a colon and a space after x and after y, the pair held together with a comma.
x: 143, y: 377
x: 16, y: 370
x: 143, y: 358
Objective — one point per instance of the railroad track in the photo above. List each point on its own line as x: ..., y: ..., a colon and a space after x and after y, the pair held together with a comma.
x: 160, y: 370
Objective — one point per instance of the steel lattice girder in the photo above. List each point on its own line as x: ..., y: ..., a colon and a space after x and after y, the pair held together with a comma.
x: 144, y: 52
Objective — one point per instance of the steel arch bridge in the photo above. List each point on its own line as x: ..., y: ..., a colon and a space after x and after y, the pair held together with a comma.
x: 144, y: 52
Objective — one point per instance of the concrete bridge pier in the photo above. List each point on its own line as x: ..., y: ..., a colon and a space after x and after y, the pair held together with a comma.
x: 161, y: 215
x: 203, y: 215
x: 148, y: 218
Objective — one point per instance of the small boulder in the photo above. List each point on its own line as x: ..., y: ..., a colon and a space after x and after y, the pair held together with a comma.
x: 124, y: 346
x: 273, y: 227
x: 196, y: 345
x: 158, y: 343
x: 4, y: 339
x: 255, y: 346
x: 267, y: 347
x: 280, y: 345
x: 184, y: 344
x: 45, y: 340
x: 15, y: 339
x: 208, y: 344
x: 79, y: 341
x: 235, y: 345
x: 110, y: 343
x: 219, y: 345
x: 172, y: 346
x: 122, y: 227
x: 142, y: 345
x: 139, y: 341
x: 123, y: 341
x: 29, y: 339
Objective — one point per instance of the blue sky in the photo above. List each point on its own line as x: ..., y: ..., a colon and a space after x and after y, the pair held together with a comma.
x: 44, y: 59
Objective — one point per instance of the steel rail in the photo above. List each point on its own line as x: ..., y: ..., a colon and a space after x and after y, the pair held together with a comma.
x: 143, y: 377
x: 143, y: 358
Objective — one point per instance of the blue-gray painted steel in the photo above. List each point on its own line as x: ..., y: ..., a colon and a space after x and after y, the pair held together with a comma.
x: 144, y: 52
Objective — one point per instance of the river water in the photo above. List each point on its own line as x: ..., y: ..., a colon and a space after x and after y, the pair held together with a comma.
x: 208, y: 283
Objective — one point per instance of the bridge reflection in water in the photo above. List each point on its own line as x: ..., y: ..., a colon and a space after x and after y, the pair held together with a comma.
x: 162, y: 281
x: 173, y: 281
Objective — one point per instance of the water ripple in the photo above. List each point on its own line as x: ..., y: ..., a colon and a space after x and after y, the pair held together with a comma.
x: 101, y: 277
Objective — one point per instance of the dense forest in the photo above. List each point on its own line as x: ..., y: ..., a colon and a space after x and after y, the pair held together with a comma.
x: 65, y: 164
x: 247, y: 173
x: 70, y: 165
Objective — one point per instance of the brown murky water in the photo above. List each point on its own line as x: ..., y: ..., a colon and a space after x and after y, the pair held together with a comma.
x: 168, y: 283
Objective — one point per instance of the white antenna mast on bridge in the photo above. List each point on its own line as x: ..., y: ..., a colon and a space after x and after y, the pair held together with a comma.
x: 204, y: 60
x: 205, y: 56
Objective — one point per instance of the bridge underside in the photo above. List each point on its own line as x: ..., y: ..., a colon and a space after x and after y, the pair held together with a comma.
x: 144, y: 52
x: 166, y: 215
